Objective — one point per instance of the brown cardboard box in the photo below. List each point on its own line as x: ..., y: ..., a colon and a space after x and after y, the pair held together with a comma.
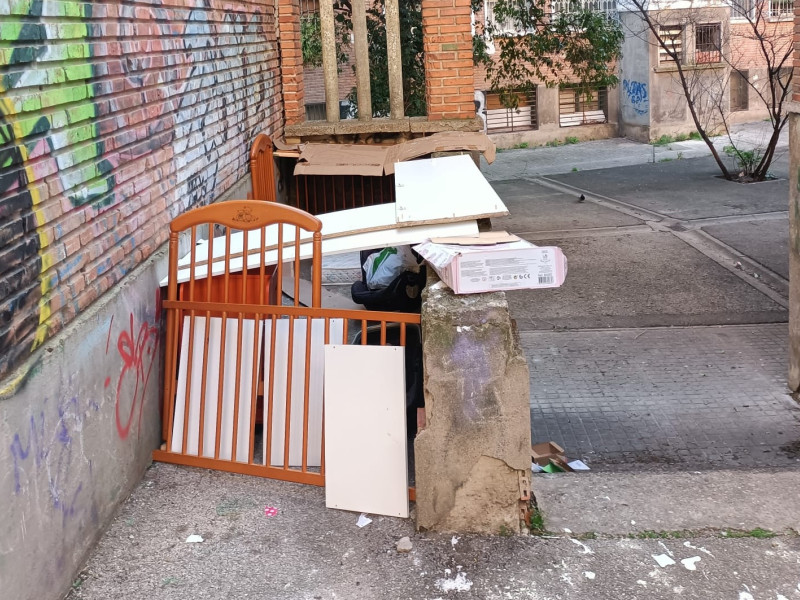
x: 542, y: 453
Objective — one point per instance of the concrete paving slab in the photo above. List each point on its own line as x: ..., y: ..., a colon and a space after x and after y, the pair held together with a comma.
x: 695, y: 398
x: 766, y: 242
x: 637, y: 280
x: 685, y: 189
x: 625, y: 503
x: 535, y: 208
x: 309, y: 552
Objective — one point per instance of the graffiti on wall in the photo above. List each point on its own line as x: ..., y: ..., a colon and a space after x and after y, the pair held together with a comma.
x: 138, y: 352
x: 52, y: 450
x: 117, y: 103
x: 636, y: 96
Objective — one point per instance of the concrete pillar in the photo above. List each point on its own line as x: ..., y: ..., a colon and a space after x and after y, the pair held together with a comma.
x: 794, y: 251
x: 473, y: 457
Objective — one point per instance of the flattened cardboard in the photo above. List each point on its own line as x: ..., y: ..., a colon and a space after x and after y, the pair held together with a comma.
x: 341, y: 159
x: 375, y: 161
x: 512, y: 266
x: 484, y: 238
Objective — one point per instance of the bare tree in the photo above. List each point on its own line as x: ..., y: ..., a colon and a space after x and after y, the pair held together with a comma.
x: 705, y: 68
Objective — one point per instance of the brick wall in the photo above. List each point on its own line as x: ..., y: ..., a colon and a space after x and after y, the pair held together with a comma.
x: 114, y: 118
x: 291, y: 61
x: 745, y: 51
x: 448, y: 59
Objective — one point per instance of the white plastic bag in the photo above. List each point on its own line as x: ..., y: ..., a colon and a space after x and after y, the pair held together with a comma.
x: 383, y: 267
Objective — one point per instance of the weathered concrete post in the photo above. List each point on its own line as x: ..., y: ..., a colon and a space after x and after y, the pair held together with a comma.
x: 794, y: 250
x: 473, y: 458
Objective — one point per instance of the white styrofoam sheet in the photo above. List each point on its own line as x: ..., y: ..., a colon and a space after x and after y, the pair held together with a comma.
x: 450, y: 187
x: 401, y: 236
x: 216, y: 349
x: 279, y: 382
x: 366, y: 466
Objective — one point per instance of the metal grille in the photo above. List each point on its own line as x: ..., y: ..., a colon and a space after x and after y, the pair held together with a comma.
x: 578, y: 108
x: 672, y: 36
x: 707, y: 43
x: 607, y: 8
x: 781, y: 9
x: 318, y: 194
x: 502, y: 119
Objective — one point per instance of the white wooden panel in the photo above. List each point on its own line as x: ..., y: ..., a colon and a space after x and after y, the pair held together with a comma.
x: 279, y: 384
x: 216, y: 348
x: 365, y: 430
x: 435, y: 190
x: 402, y: 236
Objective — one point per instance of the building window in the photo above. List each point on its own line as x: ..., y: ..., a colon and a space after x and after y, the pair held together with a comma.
x: 781, y: 9
x: 579, y: 108
x: 608, y: 8
x: 499, y: 118
x: 739, y: 90
x: 708, y: 43
x: 501, y: 27
x: 672, y: 36
x: 743, y: 10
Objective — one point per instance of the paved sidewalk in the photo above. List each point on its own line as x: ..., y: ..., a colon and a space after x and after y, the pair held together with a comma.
x: 692, y: 398
x: 618, y: 152
x: 307, y: 552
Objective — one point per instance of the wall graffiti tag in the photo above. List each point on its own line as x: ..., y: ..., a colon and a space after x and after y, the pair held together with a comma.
x: 636, y: 94
x: 54, y: 450
x: 138, y: 350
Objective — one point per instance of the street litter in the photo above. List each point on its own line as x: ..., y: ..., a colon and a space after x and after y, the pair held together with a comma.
x: 584, y: 547
x: 578, y: 465
x: 194, y: 539
x: 459, y: 583
x: 663, y: 560
x: 270, y: 511
x: 690, y: 563
x: 454, y: 541
x: 589, y: 574
x: 363, y: 520
x: 404, y: 545
x: 493, y: 261
x: 548, y: 457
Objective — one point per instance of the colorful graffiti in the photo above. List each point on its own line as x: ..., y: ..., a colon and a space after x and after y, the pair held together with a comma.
x: 103, y: 110
x: 636, y: 94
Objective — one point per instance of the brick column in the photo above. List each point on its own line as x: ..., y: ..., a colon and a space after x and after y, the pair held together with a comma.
x: 448, y: 59
x: 291, y: 60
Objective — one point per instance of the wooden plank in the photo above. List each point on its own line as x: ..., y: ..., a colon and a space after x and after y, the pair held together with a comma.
x: 365, y: 430
x: 216, y: 348
x: 279, y: 382
x: 400, y: 236
x: 438, y: 190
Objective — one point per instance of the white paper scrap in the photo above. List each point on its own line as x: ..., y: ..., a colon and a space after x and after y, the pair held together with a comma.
x: 194, y: 539
x: 536, y: 468
x: 691, y: 563
x: 363, y: 520
x: 663, y: 560
x: 578, y: 465
x: 589, y: 574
